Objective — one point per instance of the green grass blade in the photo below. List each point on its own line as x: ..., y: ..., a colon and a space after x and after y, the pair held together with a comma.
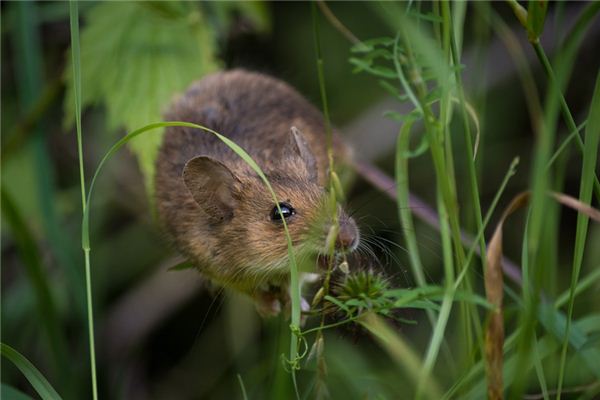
x: 403, y: 203
x: 444, y: 313
x: 399, y: 350
x: 35, y: 377
x: 488, y: 216
x: 75, y: 54
x: 539, y: 370
x: 45, y: 302
x: 29, y: 56
x: 294, y: 278
x: 590, y: 155
x: 242, y: 387
x: 565, y: 143
x: 76, y: 60
x: 9, y: 392
x: 582, y: 285
x: 536, y: 16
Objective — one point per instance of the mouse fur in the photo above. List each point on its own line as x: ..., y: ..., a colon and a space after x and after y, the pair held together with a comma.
x: 217, y: 210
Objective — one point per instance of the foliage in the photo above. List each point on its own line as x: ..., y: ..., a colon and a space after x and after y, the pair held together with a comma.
x: 450, y: 326
x: 37, y: 380
x: 159, y: 48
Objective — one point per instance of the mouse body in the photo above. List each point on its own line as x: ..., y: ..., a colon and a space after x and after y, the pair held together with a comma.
x: 217, y: 210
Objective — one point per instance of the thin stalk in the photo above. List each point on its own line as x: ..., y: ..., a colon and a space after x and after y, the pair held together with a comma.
x: 564, y: 144
x: 533, y: 267
x: 404, y: 212
x: 477, y: 370
x: 571, y: 125
x: 592, y: 139
x: 539, y: 369
x: 470, y: 159
x: 511, y: 171
x: 582, y: 285
x: 444, y: 168
x: 85, y: 235
x: 404, y: 207
x: 27, y: 51
x: 323, y: 92
x: 75, y: 54
x: 444, y: 314
x: 334, y: 190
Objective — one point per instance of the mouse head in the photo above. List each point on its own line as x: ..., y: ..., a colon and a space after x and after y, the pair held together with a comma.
x: 244, y: 221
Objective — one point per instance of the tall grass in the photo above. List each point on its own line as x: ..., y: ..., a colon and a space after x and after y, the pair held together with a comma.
x: 76, y: 60
x: 443, y: 60
x: 420, y: 64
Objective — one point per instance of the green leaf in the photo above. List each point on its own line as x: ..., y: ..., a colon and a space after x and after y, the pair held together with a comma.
x: 182, y: 266
x: 338, y: 303
x: 368, y: 46
x: 256, y: 12
x: 431, y: 17
x: 134, y: 59
x: 536, y: 16
x: 9, y: 392
x: 392, y: 90
x: 36, y: 274
x: 555, y: 322
x: 377, y: 70
x: 35, y: 377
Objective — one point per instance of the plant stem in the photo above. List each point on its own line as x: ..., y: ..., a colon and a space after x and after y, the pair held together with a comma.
x: 571, y: 125
x: 592, y: 139
x: 75, y: 54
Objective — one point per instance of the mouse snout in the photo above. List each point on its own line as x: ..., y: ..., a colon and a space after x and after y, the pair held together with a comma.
x: 348, y: 236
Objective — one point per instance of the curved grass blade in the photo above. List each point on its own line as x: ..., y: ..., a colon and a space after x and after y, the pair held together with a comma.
x: 590, y: 155
x: 75, y: 55
x: 33, y: 375
x: 494, y: 289
x: 242, y: 387
x: 9, y: 392
x: 36, y: 274
x: 294, y: 279
x: 400, y: 351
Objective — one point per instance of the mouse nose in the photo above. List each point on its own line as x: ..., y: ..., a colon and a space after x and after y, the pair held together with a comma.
x: 347, y: 238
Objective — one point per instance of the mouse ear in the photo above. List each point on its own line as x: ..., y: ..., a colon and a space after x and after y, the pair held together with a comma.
x: 212, y: 185
x: 300, y: 147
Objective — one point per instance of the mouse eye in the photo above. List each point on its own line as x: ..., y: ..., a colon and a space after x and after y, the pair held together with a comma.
x: 286, y: 212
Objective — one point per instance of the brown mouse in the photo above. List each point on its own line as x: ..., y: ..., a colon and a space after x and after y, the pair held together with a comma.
x: 218, y: 211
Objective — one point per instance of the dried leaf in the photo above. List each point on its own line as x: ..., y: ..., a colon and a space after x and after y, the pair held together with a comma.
x: 344, y: 267
x: 494, y: 290
x: 577, y: 205
x: 494, y: 286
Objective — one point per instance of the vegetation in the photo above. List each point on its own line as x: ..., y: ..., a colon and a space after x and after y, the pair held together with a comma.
x: 494, y: 109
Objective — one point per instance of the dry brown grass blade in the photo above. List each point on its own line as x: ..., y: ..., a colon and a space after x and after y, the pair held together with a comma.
x: 494, y: 290
x: 494, y: 287
x: 577, y: 205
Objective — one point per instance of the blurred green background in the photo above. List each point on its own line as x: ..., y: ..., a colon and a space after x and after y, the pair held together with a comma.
x: 163, y: 334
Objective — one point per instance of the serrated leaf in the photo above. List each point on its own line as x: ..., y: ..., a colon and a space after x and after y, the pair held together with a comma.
x: 134, y: 59
x: 377, y: 70
x: 369, y: 45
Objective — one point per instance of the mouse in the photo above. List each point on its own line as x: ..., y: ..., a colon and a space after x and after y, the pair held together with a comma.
x: 217, y: 211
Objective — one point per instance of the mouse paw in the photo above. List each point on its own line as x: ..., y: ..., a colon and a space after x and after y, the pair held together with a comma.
x: 267, y: 304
